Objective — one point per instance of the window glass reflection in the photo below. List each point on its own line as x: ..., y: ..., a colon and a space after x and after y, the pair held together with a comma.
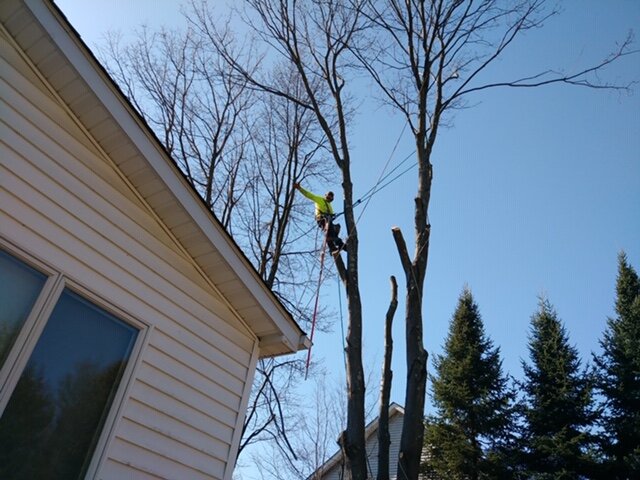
x: 54, y: 417
x: 19, y: 289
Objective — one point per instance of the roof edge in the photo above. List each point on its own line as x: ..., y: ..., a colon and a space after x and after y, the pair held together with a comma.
x: 394, y: 409
x: 175, y: 180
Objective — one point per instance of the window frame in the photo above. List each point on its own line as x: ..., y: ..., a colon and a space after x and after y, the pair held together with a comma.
x: 26, y: 340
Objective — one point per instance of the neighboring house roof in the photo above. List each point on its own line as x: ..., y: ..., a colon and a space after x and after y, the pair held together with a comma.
x: 370, y: 433
x: 56, y: 53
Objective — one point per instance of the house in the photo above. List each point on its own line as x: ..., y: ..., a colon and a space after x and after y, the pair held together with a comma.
x: 130, y: 322
x: 335, y: 467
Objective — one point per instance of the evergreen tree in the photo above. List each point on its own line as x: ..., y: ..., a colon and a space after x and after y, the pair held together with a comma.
x: 619, y: 378
x: 474, y: 406
x: 558, y: 403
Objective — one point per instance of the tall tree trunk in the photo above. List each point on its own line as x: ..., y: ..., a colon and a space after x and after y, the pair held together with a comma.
x: 413, y: 422
x: 385, y: 389
x: 352, y: 439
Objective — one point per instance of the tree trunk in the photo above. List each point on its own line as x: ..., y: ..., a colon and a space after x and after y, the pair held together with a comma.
x: 413, y: 422
x: 385, y: 388
x: 352, y: 439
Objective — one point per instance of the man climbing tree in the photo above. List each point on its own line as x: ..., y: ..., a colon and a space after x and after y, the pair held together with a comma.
x: 427, y: 59
x: 324, y: 217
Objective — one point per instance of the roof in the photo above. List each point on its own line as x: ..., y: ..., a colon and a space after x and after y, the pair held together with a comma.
x: 370, y: 430
x: 57, y: 53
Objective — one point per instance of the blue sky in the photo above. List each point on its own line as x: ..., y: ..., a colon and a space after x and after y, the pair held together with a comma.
x: 535, y: 190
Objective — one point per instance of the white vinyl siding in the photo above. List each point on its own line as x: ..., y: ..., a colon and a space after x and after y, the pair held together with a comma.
x: 371, y: 446
x: 395, y: 431
x: 61, y: 201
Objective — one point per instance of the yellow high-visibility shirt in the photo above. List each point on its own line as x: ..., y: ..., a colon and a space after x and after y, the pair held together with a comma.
x: 323, y: 207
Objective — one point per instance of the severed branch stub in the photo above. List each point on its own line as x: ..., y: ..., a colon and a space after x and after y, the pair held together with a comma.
x: 402, y: 250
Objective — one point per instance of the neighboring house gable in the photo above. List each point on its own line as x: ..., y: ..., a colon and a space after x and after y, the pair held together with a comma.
x: 335, y: 468
x: 92, y: 203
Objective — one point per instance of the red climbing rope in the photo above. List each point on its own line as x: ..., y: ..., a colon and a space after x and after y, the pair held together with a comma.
x: 315, y: 308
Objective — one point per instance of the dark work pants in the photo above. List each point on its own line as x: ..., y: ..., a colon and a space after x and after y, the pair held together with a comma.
x: 333, y: 240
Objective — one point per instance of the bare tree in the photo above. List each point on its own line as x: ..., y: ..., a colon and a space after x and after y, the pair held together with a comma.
x: 181, y: 88
x: 283, y: 151
x: 314, y: 38
x: 242, y: 151
x: 318, y: 422
x: 432, y: 56
x: 319, y: 417
x: 267, y: 416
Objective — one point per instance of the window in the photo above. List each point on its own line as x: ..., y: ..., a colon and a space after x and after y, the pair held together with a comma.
x: 19, y: 289
x: 54, y: 415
